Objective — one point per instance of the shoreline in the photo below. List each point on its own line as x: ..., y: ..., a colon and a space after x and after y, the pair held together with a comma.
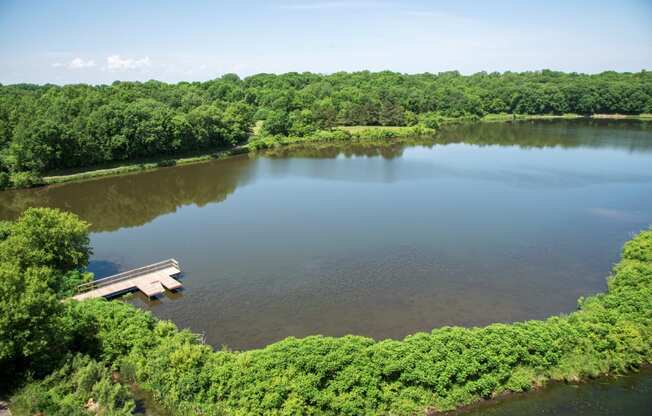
x: 256, y: 143
x: 617, y: 315
x: 505, y: 397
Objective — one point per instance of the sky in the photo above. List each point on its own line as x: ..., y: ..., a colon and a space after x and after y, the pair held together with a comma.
x: 98, y: 42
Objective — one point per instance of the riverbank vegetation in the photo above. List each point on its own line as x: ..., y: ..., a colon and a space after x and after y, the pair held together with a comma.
x: 77, y: 357
x: 49, y: 128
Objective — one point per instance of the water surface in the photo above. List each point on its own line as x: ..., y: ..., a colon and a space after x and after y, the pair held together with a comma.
x: 490, y: 222
x: 630, y: 395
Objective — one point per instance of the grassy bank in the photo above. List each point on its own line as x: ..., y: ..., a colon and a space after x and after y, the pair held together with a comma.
x: 610, y: 333
x: 340, y: 134
x: 568, y: 116
x: 138, y: 166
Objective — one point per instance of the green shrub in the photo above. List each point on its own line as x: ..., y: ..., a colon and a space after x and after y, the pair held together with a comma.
x: 25, y: 179
x: 430, y: 120
x: 81, y: 387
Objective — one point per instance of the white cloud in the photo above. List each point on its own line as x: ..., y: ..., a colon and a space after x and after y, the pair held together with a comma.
x: 79, y: 63
x: 76, y: 63
x: 117, y: 63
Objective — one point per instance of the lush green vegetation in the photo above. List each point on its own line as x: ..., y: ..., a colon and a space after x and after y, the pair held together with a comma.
x: 66, y: 351
x: 358, y: 133
x: 42, y: 258
x: 49, y: 128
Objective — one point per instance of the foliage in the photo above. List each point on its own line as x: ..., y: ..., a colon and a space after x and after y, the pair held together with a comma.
x: 22, y: 179
x: 30, y: 320
x: 341, y: 134
x: 42, y: 255
x: 47, y: 237
x: 80, y: 387
x: 46, y: 128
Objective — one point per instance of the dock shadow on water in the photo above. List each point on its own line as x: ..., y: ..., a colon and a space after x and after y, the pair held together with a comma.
x: 104, y: 268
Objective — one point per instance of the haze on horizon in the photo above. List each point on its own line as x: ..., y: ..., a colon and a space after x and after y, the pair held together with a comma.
x: 98, y: 42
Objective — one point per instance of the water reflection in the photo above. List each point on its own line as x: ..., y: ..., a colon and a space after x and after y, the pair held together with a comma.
x: 134, y: 200
x: 629, y: 135
x: 104, y: 267
x: 487, y: 223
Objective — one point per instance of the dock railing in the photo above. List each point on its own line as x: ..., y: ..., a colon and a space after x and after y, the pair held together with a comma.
x: 130, y: 274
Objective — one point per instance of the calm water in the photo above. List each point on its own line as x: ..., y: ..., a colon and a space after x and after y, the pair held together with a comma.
x: 630, y: 395
x: 494, y: 222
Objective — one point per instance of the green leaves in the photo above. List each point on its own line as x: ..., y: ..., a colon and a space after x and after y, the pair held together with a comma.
x: 41, y: 257
x: 79, y: 387
x: 47, y: 237
x: 30, y: 326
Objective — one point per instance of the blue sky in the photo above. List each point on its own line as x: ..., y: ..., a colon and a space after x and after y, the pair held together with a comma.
x: 102, y: 41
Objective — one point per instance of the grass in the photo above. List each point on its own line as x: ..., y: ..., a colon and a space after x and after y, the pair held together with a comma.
x: 358, y: 129
x: 510, y: 117
x: 121, y: 168
x: 566, y: 116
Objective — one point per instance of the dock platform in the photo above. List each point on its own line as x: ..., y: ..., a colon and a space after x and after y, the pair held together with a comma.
x: 152, y: 280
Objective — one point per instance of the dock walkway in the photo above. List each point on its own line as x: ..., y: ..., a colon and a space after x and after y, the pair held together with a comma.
x: 152, y: 280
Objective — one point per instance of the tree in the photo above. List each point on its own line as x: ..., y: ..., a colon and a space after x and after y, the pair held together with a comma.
x: 46, y: 237
x: 30, y: 321
x: 277, y: 122
x: 42, y: 255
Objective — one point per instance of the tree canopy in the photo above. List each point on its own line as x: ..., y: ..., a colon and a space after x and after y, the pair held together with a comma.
x: 48, y: 127
x: 43, y: 256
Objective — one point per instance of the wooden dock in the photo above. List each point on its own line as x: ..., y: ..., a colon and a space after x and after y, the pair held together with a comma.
x: 152, y: 280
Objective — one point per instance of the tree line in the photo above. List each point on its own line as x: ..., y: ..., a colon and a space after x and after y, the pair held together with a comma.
x: 50, y: 127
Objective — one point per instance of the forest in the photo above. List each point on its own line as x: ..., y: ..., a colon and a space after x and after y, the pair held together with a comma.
x: 60, y: 357
x: 45, y: 128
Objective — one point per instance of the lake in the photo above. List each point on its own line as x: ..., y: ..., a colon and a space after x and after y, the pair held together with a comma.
x: 487, y: 223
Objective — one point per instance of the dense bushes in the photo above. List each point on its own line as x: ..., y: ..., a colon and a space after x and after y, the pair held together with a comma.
x: 50, y: 127
x: 43, y: 256
x: 341, y: 134
x: 79, y: 388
